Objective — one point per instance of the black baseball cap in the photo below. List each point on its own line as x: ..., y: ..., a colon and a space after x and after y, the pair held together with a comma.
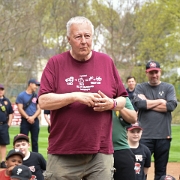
x: 20, y: 137
x: 134, y: 126
x: 14, y: 152
x: 21, y: 172
x: 34, y: 81
x: 152, y: 65
x: 167, y: 177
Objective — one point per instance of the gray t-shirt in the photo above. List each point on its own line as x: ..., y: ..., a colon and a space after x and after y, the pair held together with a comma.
x: 156, y: 125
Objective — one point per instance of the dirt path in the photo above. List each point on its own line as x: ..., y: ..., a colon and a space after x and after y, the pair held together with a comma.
x: 173, y: 169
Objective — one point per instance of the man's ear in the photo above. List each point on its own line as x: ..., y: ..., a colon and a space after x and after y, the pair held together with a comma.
x: 68, y: 38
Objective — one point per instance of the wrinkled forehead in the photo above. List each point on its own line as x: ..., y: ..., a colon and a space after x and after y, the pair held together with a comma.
x: 80, y: 28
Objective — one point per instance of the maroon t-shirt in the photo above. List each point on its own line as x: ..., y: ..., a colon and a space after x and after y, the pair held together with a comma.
x: 77, y: 128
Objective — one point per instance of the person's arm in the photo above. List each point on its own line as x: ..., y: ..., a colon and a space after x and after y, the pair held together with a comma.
x: 10, y: 119
x: 156, y: 105
x: 21, y: 111
x: 129, y: 115
x: 46, y: 116
x: 146, y: 170
x: 54, y: 101
x: 37, y: 113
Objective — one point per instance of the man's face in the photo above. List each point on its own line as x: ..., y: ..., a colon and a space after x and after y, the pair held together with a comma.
x: 1, y: 92
x: 154, y: 77
x: 33, y: 86
x: 80, y: 40
x: 131, y: 83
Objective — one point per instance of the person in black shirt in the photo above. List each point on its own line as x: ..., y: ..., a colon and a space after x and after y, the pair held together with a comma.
x: 141, y: 152
x: 6, y: 114
x: 35, y: 161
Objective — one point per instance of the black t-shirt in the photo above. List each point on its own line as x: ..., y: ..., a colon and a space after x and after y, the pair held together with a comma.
x: 37, y: 164
x: 143, y: 159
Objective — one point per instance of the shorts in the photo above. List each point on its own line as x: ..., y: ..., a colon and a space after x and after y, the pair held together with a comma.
x: 4, y: 134
x: 81, y: 166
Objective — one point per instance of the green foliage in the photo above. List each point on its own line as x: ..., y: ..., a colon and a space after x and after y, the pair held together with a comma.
x: 153, y: 27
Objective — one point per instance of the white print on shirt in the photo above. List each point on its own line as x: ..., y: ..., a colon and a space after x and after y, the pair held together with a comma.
x: 139, y: 157
x: 137, y: 168
x: 82, y: 80
x: 32, y: 168
x: 161, y: 93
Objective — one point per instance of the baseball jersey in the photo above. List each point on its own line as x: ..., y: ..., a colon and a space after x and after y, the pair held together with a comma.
x: 143, y: 159
x: 37, y: 164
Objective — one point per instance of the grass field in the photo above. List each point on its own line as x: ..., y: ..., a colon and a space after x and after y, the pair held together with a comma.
x: 43, y: 141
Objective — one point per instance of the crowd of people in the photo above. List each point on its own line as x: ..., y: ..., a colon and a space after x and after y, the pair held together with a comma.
x: 97, y: 128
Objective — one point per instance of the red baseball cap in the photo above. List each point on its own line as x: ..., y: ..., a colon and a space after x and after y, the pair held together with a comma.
x: 134, y: 126
x: 152, y: 66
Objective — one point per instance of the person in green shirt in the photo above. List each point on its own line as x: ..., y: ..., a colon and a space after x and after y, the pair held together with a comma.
x: 124, y: 159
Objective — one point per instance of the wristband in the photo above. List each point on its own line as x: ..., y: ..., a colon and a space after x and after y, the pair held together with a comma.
x: 114, y: 104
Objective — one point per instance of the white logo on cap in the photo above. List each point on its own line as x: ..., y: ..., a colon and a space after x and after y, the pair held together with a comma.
x: 19, y: 170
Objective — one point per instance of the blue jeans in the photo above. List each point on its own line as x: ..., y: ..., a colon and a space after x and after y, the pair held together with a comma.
x: 160, y: 150
x: 26, y: 127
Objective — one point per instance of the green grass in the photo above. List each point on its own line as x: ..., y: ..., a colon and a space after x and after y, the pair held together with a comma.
x: 43, y: 141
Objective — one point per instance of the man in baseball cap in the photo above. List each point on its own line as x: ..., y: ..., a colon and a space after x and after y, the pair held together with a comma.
x: 21, y: 172
x: 29, y: 109
x: 155, y: 101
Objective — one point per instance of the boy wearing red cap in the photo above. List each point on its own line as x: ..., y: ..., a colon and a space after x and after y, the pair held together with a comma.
x: 141, y: 152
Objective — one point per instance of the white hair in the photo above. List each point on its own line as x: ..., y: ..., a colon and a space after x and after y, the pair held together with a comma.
x: 78, y: 20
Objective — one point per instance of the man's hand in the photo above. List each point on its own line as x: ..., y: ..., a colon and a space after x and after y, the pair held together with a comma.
x: 30, y: 119
x: 103, y: 103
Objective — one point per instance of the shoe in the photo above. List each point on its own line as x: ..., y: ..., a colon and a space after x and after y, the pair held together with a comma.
x: 2, y: 165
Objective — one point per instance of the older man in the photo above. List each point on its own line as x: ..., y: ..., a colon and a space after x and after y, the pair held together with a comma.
x: 81, y: 87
